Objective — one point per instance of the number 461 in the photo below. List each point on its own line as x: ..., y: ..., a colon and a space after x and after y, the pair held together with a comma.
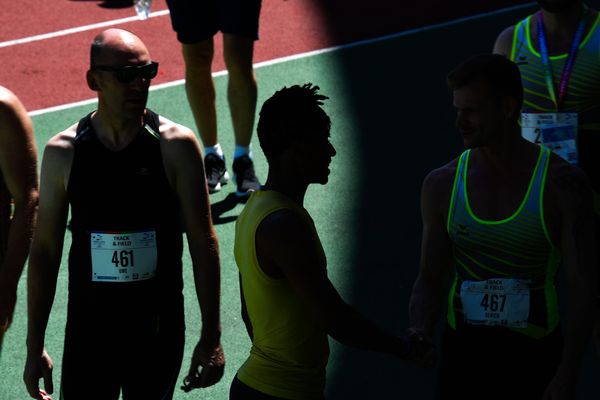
x: 123, y: 258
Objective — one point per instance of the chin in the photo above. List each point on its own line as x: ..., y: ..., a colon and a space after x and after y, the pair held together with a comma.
x: 471, y: 144
x: 558, y: 6
x: 135, y: 107
x: 322, y: 180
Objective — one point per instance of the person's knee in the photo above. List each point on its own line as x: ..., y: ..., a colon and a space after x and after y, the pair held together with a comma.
x: 238, y: 53
x: 198, y: 56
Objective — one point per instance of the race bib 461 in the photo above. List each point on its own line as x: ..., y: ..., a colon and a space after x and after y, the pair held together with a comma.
x: 123, y: 256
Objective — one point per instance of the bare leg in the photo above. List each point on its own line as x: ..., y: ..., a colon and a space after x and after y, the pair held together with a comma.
x: 200, y: 88
x: 241, y: 88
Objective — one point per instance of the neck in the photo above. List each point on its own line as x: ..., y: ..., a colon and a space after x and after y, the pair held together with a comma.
x: 115, y: 131
x: 501, y: 153
x: 564, y: 22
x: 286, y: 185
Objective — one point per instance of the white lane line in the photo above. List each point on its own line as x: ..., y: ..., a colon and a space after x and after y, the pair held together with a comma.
x: 83, y: 28
x: 308, y: 54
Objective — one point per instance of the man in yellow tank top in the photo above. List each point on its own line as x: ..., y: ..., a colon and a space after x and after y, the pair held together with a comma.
x: 289, y: 305
x: 557, y: 50
x: 499, y: 240
x: 19, y: 184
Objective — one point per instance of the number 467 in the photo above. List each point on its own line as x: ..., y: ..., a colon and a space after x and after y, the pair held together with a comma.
x: 493, y: 302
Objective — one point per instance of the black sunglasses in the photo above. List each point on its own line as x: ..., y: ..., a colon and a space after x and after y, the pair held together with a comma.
x: 129, y: 73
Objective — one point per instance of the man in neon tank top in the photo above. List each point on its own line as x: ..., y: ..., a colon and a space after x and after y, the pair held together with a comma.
x: 497, y: 222
x: 128, y: 177
x: 565, y: 85
x: 289, y: 305
x: 19, y: 184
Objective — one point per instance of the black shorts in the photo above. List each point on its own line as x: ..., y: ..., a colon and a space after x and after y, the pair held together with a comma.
x: 198, y: 20
x: 97, y: 368
x: 496, y: 363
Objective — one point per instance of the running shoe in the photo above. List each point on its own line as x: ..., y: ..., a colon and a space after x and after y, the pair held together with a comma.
x: 216, y: 172
x: 245, y: 178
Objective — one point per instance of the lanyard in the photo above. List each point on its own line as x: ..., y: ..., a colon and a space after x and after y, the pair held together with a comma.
x: 568, y: 68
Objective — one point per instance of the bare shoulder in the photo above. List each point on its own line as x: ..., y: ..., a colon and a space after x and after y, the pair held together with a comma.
x: 561, y: 172
x: 181, y: 152
x: 61, y: 144
x: 174, y: 132
x: 282, y: 230
x: 281, y: 221
x: 7, y: 99
x: 439, y: 181
x: 284, y: 227
x: 436, y: 191
x: 569, y: 184
x: 13, y: 116
x: 504, y: 41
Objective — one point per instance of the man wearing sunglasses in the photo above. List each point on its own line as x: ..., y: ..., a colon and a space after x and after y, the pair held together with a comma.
x: 128, y: 177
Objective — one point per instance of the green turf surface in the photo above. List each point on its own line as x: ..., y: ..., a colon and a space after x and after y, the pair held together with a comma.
x: 392, y: 121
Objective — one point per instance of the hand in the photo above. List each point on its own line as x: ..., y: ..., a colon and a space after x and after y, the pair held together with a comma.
x: 212, y: 361
x: 420, y: 349
x: 38, y: 366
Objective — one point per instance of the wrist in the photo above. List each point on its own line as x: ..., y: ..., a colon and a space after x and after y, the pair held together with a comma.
x: 211, y: 333
x: 418, y: 334
x: 34, y: 349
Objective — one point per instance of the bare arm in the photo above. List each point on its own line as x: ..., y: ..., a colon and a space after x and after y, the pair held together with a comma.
x: 578, y: 248
x: 503, y: 44
x: 18, y: 165
x: 183, y: 162
x: 45, y: 256
x: 429, y: 291
x: 286, y: 240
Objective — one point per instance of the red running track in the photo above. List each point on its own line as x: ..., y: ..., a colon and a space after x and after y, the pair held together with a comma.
x: 51, y: 72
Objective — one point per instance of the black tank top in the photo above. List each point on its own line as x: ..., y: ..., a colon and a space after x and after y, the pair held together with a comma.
x: 119, y: 192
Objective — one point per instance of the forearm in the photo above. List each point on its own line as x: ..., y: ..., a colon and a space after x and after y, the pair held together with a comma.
x: 425, y: 306
x: 207, y: 278
x: 19, y: 240
x: 350, y: 328
x: 41, y: 287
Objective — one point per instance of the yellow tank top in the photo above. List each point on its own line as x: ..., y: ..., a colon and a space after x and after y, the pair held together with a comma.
x: 290, y: 349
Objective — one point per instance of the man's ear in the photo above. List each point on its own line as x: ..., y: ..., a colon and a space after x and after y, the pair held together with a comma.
x: 91, y: 81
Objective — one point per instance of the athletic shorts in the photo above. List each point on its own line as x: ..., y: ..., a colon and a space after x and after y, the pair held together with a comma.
x: 240, y: 391
x: 96, y: 368
x: 496, y: 363
x: 198, y: 20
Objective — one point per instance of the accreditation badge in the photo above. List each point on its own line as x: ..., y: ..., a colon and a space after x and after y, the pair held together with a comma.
x: 496, y: 302
x: 558, y: 131
x: 123, y: 256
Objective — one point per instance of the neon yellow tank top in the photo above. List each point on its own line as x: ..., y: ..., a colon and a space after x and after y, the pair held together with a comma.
x: 290, y: 349
x: 583, y: 92
x: 516, y: 247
